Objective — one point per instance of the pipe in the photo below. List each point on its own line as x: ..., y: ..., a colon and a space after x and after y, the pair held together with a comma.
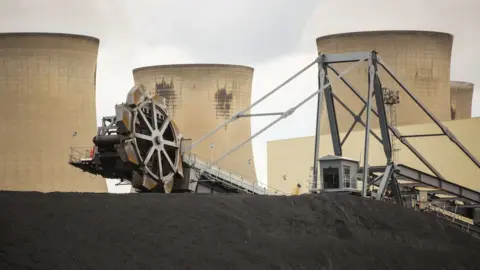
x: 105, y: 140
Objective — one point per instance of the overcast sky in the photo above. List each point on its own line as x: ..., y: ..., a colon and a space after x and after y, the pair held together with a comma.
x: 276, y: 37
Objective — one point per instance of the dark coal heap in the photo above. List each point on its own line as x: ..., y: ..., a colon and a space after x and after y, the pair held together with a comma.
x: 185, y: 231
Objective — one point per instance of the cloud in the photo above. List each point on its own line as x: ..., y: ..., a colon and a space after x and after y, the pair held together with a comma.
x: 88, y: 17
x: 240, y: 32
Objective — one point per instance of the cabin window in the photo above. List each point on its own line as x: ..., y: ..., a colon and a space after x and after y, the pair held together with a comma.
x: 346, y: 177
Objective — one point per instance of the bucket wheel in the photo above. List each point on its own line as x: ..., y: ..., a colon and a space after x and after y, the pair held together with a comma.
x: 152, y: 138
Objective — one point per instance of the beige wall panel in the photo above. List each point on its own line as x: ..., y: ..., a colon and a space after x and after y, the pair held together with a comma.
x: 47, y: 88
x: 421, y: 60
x: 461, y: 94
x: 199, y: 98
x: 290, y: 161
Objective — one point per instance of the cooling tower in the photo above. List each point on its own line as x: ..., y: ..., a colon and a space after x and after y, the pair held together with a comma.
x: 47, y: 84
x: 461, y: 94
x: 419, y: 59
x: 199, y: 97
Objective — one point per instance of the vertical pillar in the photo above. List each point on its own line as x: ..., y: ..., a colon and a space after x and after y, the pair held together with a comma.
x: 332, y: 116
x: 371, y: 77
x: 382, y: 116
x: 321, y: 82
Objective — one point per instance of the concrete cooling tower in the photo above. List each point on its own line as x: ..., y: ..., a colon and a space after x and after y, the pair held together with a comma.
x: 419, y: 59
x: 199, y: 97
x: 461, y: 94
x: 47, y: 84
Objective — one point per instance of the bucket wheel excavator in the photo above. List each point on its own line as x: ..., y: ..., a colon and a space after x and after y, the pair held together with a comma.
x: 142, y: 145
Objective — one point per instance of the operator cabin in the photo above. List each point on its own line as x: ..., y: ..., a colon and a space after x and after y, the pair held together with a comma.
x: 338, y: 173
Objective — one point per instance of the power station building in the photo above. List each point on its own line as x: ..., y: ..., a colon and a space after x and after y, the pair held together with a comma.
x: 199, y: 97
x: 421, y: 61
x: 47, y: 84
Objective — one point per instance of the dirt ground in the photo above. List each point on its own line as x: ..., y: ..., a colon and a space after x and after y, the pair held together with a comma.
x: 185, y: 231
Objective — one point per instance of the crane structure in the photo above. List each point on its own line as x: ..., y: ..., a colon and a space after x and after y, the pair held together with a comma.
x: 393, y: 181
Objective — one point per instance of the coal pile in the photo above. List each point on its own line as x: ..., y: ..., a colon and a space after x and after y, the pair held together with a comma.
x: 186, y: 231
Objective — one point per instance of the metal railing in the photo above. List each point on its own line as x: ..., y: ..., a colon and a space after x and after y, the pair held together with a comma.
x: 319, y: 187
x: 78, y: 154
x: 234, y: 180
x: 449, y: 213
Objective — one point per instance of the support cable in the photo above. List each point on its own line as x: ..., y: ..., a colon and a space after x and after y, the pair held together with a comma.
x: 239, y: 114
x: 287, y: 113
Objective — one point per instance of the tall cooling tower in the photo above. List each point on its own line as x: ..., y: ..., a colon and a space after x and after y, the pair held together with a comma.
x: 419, y: 59
x: 461, y: 99
x: 199, y: 97
x: 47, y: 84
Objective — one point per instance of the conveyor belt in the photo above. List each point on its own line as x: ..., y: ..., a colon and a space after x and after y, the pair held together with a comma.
x: 426, y: 180
x: 228, y: 178
x: 440, y: 184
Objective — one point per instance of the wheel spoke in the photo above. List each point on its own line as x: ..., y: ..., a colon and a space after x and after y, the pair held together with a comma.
x: 145, y: 120
x: 170, y: 143
x: 149, y: 155
x: 143, y: 137
x: 168, y: 159
x: 164, y: 125
x: 154, y: 116
x: 152, y: 174
x: 160, y: 170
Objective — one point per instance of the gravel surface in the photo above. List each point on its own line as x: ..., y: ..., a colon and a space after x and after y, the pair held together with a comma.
x: 197, y: 231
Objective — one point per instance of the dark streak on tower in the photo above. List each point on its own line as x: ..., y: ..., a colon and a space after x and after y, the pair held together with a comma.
x: 223, y: 100
x: 167, y: 90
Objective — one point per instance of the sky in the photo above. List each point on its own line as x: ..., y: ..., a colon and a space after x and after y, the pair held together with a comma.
x: 275, y: 37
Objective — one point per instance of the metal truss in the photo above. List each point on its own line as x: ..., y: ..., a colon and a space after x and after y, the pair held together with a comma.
x: 325, y: 62
x: 415, y: 178
x: 375, y: 90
